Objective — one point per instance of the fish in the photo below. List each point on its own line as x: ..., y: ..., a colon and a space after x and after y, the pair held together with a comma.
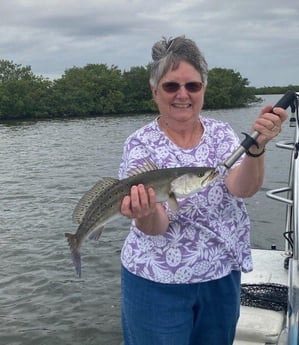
x: 101, y: 204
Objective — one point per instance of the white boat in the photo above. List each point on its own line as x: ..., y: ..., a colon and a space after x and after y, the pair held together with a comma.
x: 270, y: 294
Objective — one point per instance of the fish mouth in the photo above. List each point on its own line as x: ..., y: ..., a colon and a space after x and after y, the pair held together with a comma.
x: 215, y: 175
x: 208, y: 178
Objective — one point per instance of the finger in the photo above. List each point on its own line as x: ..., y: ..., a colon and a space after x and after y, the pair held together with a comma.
x: 278, y: 111
x: 281, y: 113
x: 267, y: 124
x: 270, y: 121
x: 152, y: 197
x: 125, y: 207
x: 146, y: 204
x: 143, y: 197
x: 135, y: 200
x: 266, y: 109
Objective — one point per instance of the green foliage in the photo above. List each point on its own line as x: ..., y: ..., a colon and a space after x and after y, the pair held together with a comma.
x: 227, y: 89
x: 275, y: 90
x: 11, y: 71
x: 22, y: 94
x: 97, y: 90
x: 138, y: 96
x: 91, y: 90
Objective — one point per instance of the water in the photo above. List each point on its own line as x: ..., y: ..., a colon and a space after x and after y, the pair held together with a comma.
x: 45, y: 167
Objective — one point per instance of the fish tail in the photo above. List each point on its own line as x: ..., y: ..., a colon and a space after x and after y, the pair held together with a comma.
x: 76, y: 256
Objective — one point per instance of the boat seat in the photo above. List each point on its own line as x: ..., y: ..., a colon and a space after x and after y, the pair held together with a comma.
x: 259, y: 326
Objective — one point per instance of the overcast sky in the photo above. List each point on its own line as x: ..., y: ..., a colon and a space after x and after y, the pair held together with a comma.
x: 258, y: 38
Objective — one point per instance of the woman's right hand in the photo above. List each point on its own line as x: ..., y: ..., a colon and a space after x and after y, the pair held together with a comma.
x: 150, y: 217
x: 140, y: 203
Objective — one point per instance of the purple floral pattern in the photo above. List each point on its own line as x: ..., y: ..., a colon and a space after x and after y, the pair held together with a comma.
x: 209, y: 236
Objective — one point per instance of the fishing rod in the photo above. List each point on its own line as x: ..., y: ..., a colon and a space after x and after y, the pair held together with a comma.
x: 288, y: 99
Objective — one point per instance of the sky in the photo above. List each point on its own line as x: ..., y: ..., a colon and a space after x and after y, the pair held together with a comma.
x: 257, y: 38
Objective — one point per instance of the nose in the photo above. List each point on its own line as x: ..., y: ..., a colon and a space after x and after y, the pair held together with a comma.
x: 182, y: 91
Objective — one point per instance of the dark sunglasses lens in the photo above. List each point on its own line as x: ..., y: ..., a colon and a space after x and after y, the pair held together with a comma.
x: 193, y: 86
x: 171, y: 86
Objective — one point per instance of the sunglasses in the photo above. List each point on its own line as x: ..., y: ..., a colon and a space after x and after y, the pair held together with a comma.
x: 173, y: 86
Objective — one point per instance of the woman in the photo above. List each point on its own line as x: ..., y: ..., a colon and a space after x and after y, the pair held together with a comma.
x: 181, y: 271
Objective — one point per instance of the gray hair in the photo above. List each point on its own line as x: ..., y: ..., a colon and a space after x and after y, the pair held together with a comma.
x: 168, y: 53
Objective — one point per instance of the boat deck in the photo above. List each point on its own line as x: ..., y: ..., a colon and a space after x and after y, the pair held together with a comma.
x: 259, y: 326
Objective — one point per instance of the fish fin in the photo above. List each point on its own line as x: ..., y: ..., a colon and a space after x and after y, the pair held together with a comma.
x: 108, y: 181
x: 89, y: 197
x: 172, y: 202
x: 76, y: 257
x: 146, y: 167
x: 95, y: 235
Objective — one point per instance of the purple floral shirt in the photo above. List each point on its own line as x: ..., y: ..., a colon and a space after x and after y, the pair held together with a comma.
x: 209, y: 236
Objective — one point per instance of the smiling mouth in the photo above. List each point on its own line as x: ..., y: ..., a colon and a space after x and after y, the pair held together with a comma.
x: 181, y: 106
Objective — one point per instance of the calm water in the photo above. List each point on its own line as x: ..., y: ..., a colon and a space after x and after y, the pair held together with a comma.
x: 45, y: 167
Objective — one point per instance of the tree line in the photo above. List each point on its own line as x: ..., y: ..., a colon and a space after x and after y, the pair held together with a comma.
x: 97, y: 90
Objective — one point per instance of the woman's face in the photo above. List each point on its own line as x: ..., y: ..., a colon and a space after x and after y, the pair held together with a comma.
x: 181, y: 105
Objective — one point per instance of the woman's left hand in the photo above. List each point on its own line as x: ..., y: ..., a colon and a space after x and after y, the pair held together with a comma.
x: 269, y: 124
x: 247, y: 178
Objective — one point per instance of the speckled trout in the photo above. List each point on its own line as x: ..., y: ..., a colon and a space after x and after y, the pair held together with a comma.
x: 102, y: 202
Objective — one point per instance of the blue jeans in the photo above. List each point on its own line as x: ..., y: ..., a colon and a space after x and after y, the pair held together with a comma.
x: 180, y: 314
